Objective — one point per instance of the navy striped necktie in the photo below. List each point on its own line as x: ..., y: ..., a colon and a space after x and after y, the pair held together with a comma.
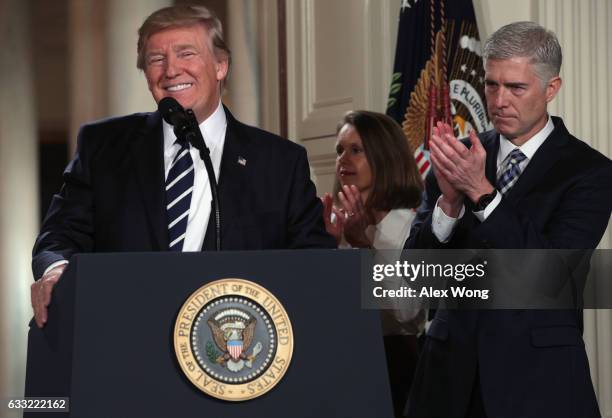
x: 179, y: 188
x: 512, y: 171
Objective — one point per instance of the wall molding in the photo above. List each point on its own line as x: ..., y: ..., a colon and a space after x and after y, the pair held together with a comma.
x: 586, y: 38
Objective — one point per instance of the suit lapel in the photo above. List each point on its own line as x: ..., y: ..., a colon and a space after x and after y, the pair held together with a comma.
x: 147, y: 151
x: 235, y: 163
x: 490, y: 142
x: 543, y: 160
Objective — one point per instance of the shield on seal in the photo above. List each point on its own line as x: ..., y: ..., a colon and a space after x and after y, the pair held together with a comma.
x: 234, y: 347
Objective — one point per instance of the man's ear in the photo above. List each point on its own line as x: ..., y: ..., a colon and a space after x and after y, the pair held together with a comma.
x: 221, y: 68
x: 552, y: 88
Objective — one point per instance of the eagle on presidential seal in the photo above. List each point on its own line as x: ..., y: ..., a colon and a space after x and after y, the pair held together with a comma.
x: 233, y: 331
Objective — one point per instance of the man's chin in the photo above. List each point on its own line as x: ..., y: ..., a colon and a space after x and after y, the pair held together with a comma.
x: 184, y: 101
x: 505, y: 129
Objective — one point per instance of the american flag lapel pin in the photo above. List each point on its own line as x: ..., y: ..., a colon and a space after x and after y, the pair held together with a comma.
x: 242, y: 161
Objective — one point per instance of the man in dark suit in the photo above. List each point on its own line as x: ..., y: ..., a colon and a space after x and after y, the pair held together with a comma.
x: 528, y: 184
x: 133, y: 186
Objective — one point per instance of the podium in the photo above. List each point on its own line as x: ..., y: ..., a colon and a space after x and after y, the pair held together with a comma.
x: 108, y: 344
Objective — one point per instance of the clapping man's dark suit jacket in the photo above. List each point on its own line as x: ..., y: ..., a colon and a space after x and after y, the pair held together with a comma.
x: 113, y: 198
x: 531, y: 363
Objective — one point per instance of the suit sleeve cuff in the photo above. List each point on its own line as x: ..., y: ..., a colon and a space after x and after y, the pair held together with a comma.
x: 482, y: 215
x: 443, y: 225
x: 54, y: 265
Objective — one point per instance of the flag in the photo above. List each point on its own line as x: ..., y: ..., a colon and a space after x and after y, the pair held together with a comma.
x: 438, y: 73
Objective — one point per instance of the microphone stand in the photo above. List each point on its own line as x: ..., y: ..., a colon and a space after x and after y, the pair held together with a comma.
x: 190, y: 132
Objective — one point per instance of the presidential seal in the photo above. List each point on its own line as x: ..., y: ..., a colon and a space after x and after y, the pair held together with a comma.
x: 233, y: 339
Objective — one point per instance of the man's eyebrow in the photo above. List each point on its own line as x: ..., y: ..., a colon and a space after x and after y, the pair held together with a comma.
x: 507, y: 84
x: 182, y: 47
x: 516, y: 84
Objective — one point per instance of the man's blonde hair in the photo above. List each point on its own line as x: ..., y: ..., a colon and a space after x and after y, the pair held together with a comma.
x: 181, y: 16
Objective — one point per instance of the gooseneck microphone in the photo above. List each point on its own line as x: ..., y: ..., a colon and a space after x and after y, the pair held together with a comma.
x: 187, y: 129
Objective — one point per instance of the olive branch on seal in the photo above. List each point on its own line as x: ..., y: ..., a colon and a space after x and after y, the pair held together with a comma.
x: 211, y: 352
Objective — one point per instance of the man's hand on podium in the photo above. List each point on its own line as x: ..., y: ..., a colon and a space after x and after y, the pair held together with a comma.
x: 41, y: 291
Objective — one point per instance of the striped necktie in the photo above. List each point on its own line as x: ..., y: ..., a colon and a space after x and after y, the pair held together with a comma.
x: 179, y: 187
x: 511, y: 172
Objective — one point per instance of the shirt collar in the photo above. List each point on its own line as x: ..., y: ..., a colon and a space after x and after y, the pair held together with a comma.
x: 530, y: 146
x: 213, y: 130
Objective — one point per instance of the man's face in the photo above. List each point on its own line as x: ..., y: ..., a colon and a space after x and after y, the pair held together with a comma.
x: 179, y: 63
x: 517, y: 98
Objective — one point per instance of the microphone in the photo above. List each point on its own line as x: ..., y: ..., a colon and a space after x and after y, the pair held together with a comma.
x: 186, y: 128
x: 172, y: 111
x: 185, y: 124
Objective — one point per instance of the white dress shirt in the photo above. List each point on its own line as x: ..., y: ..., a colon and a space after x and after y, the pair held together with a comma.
x: 407, y: 316
x: 443, y: 225
x: 213, y: 130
